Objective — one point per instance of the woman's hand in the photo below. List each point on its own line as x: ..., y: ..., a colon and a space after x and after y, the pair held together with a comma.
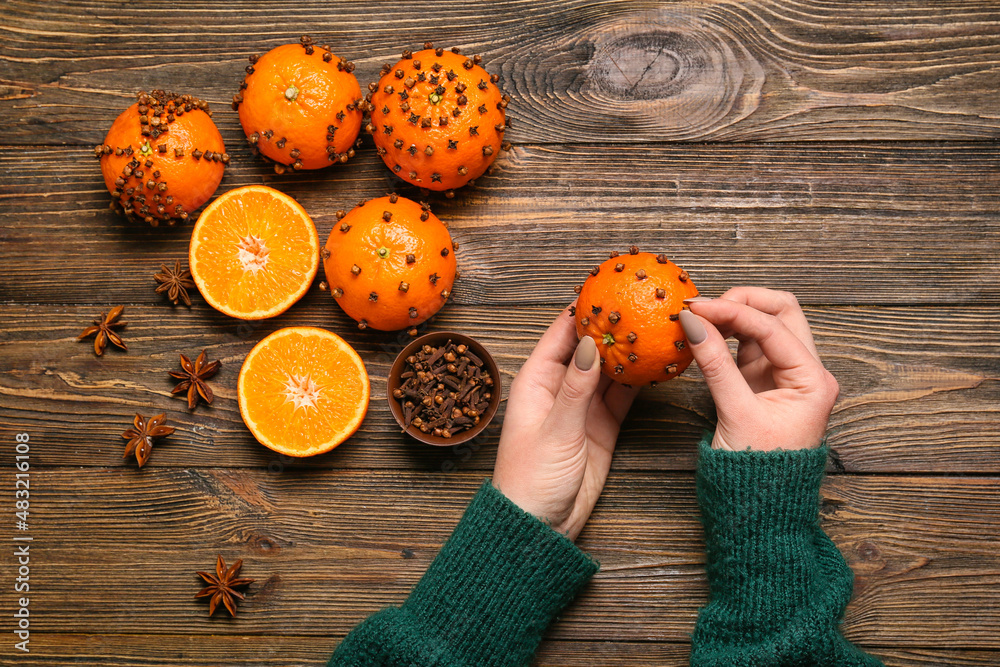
x: 776, y: 394
x: 560, y: 429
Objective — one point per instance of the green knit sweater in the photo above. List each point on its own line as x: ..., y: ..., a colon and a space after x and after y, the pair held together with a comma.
x: 778, y: 585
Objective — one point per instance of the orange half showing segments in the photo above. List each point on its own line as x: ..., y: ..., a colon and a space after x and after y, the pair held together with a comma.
x: 303, y: 391
x: 254, y: 252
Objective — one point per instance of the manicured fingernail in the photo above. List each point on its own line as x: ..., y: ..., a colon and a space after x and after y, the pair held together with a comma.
x: 696, y: 299
x: 693, y: 328
x: 586, y: 353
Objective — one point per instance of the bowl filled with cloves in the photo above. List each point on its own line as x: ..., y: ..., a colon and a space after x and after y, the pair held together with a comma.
x: 444, y: 388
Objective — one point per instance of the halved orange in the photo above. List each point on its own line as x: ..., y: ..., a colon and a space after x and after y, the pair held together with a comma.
x: 254, y: 252
x: 303, y: 391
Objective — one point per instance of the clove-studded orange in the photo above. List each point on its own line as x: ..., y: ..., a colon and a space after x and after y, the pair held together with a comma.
x: 629, y: 305
x: 438, y: 118
x: 390, y: 263
x: 300, y: 106
x: 162, y: 158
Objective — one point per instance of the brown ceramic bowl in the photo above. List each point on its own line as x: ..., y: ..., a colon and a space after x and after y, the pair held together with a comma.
x: 435, y: 339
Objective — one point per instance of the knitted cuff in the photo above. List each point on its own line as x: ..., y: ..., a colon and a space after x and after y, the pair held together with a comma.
x: 760, y: 511
x: 497, y: 583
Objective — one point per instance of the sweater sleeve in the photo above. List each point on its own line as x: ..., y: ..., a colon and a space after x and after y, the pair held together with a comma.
x: 777, y: 585
x: 485, y: 600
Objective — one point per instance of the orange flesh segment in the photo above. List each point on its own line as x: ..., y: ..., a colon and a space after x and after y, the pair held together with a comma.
x: 254, y: 252
x: 303, y: 391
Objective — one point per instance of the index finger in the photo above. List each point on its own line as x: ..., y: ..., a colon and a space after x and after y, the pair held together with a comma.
x: 782, y: 305
x: 779, y: 344
x: 553, y: 350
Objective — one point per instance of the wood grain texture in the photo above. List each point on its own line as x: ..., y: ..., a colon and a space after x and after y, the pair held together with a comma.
x: 923, y: 549
x: 834, y: 224
x: 920, y: 389
x: 774, y: 70
x: 121, y: 650
x: 844, y: 150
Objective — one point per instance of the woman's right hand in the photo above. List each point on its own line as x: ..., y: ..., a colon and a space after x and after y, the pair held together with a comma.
x: 776, y: 394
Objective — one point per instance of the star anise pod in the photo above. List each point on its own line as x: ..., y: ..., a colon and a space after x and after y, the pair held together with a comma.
x: 140, y: 436
x: 175, y: 283
x: 104, y: 328
x: 221, y: 586
x: 192, y: 378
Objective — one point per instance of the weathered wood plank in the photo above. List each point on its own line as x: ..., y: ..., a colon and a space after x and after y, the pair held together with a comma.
x: 774, y: 70
x: 919, y: 657
x: 121, y: 650
x: 835, y: 225
x: 55, y: 650
x: 606, y: 94
x: 562, y: 653
x: 176, y: 650
x: 327, y: 549
x: 919, y: 389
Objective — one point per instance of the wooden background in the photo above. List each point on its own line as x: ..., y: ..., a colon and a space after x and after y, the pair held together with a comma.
x: 845, y: 150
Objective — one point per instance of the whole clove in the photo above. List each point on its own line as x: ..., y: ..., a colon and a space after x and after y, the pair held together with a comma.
x: 445, y: 390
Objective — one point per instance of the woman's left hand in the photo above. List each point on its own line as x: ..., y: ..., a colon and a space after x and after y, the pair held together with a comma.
x: 560, y: 429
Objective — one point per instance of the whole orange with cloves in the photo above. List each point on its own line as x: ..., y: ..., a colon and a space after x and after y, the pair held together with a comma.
x: 300, y: 106
x: 390, y: 263
x: 162, y: 158
x: 630, y: 306
x: 438, y: 118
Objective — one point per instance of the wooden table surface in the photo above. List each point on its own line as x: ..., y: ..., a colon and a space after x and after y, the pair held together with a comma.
x: 845, y: 150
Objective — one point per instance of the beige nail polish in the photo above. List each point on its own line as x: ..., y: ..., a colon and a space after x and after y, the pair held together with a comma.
x: 586, y: 353
x: 694, y: 330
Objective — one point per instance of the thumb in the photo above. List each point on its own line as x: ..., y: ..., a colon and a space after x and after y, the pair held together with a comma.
x: 569, y: 412
x: 715, y: 360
